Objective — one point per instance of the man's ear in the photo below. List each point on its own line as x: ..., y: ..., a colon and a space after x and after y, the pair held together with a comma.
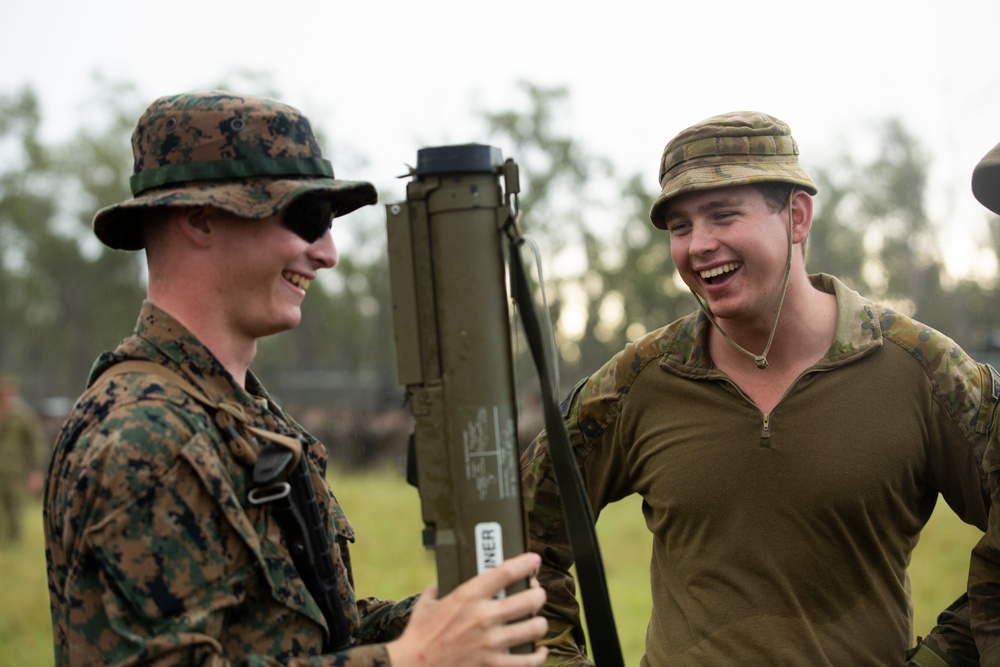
x: 195, y: 224
x: 802, y: 215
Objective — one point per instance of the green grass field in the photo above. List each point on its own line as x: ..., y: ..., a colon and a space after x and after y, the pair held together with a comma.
x: 390, y: 563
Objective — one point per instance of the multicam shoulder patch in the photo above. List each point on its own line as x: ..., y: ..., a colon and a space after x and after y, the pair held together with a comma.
x: 969, y: 390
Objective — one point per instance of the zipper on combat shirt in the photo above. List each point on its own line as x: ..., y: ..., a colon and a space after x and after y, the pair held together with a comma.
x: 765, y: 429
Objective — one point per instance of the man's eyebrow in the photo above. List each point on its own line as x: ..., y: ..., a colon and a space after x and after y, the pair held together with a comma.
x: 723, y: 201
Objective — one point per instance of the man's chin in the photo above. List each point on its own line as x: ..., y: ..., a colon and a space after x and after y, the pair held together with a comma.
x: 287, y: 322
x: 722, y: 310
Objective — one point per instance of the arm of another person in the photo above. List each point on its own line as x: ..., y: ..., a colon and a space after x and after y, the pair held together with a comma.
x: 963, y: 474
x: 984, y: 567
x: 950, y: 642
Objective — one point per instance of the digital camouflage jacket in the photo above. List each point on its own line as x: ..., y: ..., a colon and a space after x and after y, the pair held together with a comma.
x: 154, y: 554
x: 779, y: 538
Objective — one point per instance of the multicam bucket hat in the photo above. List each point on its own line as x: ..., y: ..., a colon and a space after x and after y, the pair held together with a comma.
x: 986, y: 180
x: 738, y: 148
x: 250, y: 156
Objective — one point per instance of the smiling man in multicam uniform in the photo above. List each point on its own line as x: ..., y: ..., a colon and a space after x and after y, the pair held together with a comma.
x: 157, y: 550
x: 789, y: 439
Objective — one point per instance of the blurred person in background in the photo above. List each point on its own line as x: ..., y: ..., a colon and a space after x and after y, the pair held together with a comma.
x: 23, y: 453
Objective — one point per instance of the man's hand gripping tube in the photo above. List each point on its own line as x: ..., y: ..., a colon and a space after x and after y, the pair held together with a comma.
x: 453, y: 353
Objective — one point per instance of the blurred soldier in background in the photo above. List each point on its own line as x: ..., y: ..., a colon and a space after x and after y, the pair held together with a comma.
x: 23, y: 453
x: 167, y: 519
x: 984, y: 572
x: 789, y: 439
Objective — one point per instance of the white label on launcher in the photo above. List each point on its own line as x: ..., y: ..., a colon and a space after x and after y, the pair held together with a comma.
x: 489, y: 548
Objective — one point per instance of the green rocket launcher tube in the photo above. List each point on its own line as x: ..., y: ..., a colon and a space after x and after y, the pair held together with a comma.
x: 453, y: 350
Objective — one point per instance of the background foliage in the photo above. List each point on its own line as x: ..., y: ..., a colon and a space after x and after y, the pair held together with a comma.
x: 608, y: 276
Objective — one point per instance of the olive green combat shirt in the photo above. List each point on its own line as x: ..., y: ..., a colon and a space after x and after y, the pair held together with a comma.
x: 781, y: 538
x: 154, y: 554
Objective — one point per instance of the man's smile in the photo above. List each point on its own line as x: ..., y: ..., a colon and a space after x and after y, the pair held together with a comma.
x: 297, y: 279
x: 713, y: 275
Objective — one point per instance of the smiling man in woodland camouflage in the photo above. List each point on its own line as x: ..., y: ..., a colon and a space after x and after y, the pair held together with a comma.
x: 171, y: 538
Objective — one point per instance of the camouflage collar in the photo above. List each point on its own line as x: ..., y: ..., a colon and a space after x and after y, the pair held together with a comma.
x: 858, y: 328
x: 858, y: 332
x: 159, y: 337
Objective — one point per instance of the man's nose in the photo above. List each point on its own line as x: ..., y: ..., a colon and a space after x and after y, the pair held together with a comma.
x: 702, y: 239
x: 323, y: 251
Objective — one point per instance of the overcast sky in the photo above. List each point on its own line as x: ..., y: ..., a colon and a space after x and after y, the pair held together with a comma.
x: 388, y: 77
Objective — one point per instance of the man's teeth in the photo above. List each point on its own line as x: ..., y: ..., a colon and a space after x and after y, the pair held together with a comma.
x: 719, y: 270
x: 296, y: 279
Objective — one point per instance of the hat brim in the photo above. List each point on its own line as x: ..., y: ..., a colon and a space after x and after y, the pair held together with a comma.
x: 117, y: 226
x: 710, y: 177
x: 986, y: 180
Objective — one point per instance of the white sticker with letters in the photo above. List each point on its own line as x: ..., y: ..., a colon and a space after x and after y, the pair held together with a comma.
x: 489, y: 548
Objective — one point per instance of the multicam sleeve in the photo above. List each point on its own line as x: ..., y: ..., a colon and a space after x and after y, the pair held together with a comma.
x: 547, y: 537
x: 586, y: 413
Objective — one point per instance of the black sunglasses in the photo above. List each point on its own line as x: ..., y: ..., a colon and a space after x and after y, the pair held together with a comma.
x: 309, y: 217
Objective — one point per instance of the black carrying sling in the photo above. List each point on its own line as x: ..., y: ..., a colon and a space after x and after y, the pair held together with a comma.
x: 578, y: 515
x: 282, y: 480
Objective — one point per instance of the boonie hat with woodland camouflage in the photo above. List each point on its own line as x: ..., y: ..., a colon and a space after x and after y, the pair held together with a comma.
x: 738, y: 148
x: 247, y: 155
x: 986, y: 180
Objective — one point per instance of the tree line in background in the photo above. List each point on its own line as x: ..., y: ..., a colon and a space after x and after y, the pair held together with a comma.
x: 64, y: 298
